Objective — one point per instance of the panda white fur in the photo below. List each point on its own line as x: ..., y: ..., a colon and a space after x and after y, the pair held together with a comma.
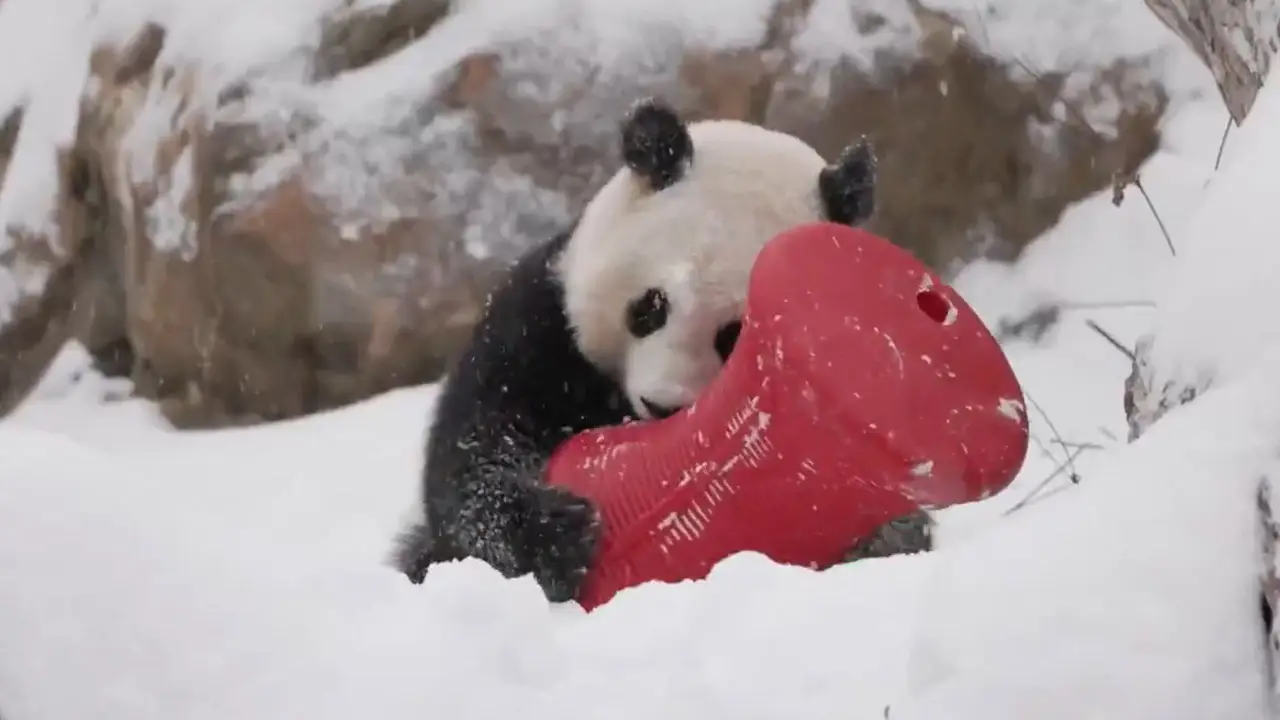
x: 630, y: 313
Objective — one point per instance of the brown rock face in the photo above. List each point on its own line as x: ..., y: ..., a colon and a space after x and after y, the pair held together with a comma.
x: 965, y: 173
x: 248, y: 253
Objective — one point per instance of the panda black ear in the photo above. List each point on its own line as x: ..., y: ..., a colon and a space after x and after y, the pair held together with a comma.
x: 848, y: 186
x: 656, y: 144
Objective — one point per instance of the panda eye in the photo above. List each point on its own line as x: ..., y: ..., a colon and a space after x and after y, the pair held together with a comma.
x: 648, y: 313
x: 726, y: 338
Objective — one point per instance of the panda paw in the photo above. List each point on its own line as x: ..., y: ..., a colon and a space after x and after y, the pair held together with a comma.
x: 560, y: 541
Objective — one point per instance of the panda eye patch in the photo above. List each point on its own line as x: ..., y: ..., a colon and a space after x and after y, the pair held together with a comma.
x: 648, y: 313
x: 726, y: 338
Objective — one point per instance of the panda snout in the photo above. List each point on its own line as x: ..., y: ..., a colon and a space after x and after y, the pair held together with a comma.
x: 659, y: 412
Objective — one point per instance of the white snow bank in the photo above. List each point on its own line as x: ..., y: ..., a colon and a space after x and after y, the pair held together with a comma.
x: 238, y: 574
x: 1138, y: 598
x: 1100, y: 263
x: 1217, y: 307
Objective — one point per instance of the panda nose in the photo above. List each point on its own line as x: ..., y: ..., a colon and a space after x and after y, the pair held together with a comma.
x: 659, y: 411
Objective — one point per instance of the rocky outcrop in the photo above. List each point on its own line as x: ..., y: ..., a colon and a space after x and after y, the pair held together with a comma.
x: 1148, y: 396
x: 325, y: 226
x: 1235, y: 38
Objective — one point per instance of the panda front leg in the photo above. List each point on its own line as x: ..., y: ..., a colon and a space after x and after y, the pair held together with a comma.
x: 507, y: 517
x: 560, y: 538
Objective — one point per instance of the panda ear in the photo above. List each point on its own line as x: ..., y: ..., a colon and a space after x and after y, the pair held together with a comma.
x: 656, y: 144
x: 848, y: 186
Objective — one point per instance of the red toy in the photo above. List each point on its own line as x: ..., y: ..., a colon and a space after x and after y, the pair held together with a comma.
x: 861, y: 388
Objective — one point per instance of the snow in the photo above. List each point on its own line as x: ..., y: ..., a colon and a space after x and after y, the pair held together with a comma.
x: 166, y: 221
x: 1106, y: 586
x: 1048, y: 34
x: 184, y: 594
x: 29, y: 186
x: 1223, y: 273
x: 241, y: 573
x: 1139, y: 597
x: 227, y: 37
x: 837, y: 31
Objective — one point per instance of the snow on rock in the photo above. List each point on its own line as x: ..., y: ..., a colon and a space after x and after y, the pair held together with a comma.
x: 1047, y: 34
x: 42, y: 102
x: 866, y: 33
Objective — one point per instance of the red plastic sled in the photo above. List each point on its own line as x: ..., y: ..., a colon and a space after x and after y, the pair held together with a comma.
x: 860, y: 389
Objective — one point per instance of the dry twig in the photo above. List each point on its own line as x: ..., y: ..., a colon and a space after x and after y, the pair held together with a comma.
x: 1223, y: 145
x: 1112, y: 340
x: 1064, y: 465
x: 1121, y: 181
x: 1070, y: 461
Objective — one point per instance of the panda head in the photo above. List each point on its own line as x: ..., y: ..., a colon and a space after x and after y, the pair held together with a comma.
x: 655, y: 272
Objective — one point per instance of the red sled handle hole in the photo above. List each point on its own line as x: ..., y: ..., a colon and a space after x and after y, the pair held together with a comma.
x: 933, y: 305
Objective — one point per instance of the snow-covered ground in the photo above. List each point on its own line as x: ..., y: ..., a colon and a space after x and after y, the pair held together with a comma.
x: 239, y: 574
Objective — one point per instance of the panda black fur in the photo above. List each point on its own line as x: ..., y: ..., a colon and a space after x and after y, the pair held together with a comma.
x: 519, y: 390
x: 629, y: 314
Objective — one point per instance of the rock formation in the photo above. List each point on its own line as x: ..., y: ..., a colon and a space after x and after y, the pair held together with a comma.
x: 325, y: 226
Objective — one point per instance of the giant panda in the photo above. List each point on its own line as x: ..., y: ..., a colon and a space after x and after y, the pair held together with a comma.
x: 628, y: 315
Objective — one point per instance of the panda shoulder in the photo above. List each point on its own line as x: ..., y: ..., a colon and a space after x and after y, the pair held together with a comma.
x: 526, y: 307
x: 533, y: 281
x: 536, y: 270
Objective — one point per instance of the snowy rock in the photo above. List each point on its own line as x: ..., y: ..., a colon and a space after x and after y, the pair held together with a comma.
x: 275, y: 225
x: 1235, y: 38
x: 1147, y: 397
